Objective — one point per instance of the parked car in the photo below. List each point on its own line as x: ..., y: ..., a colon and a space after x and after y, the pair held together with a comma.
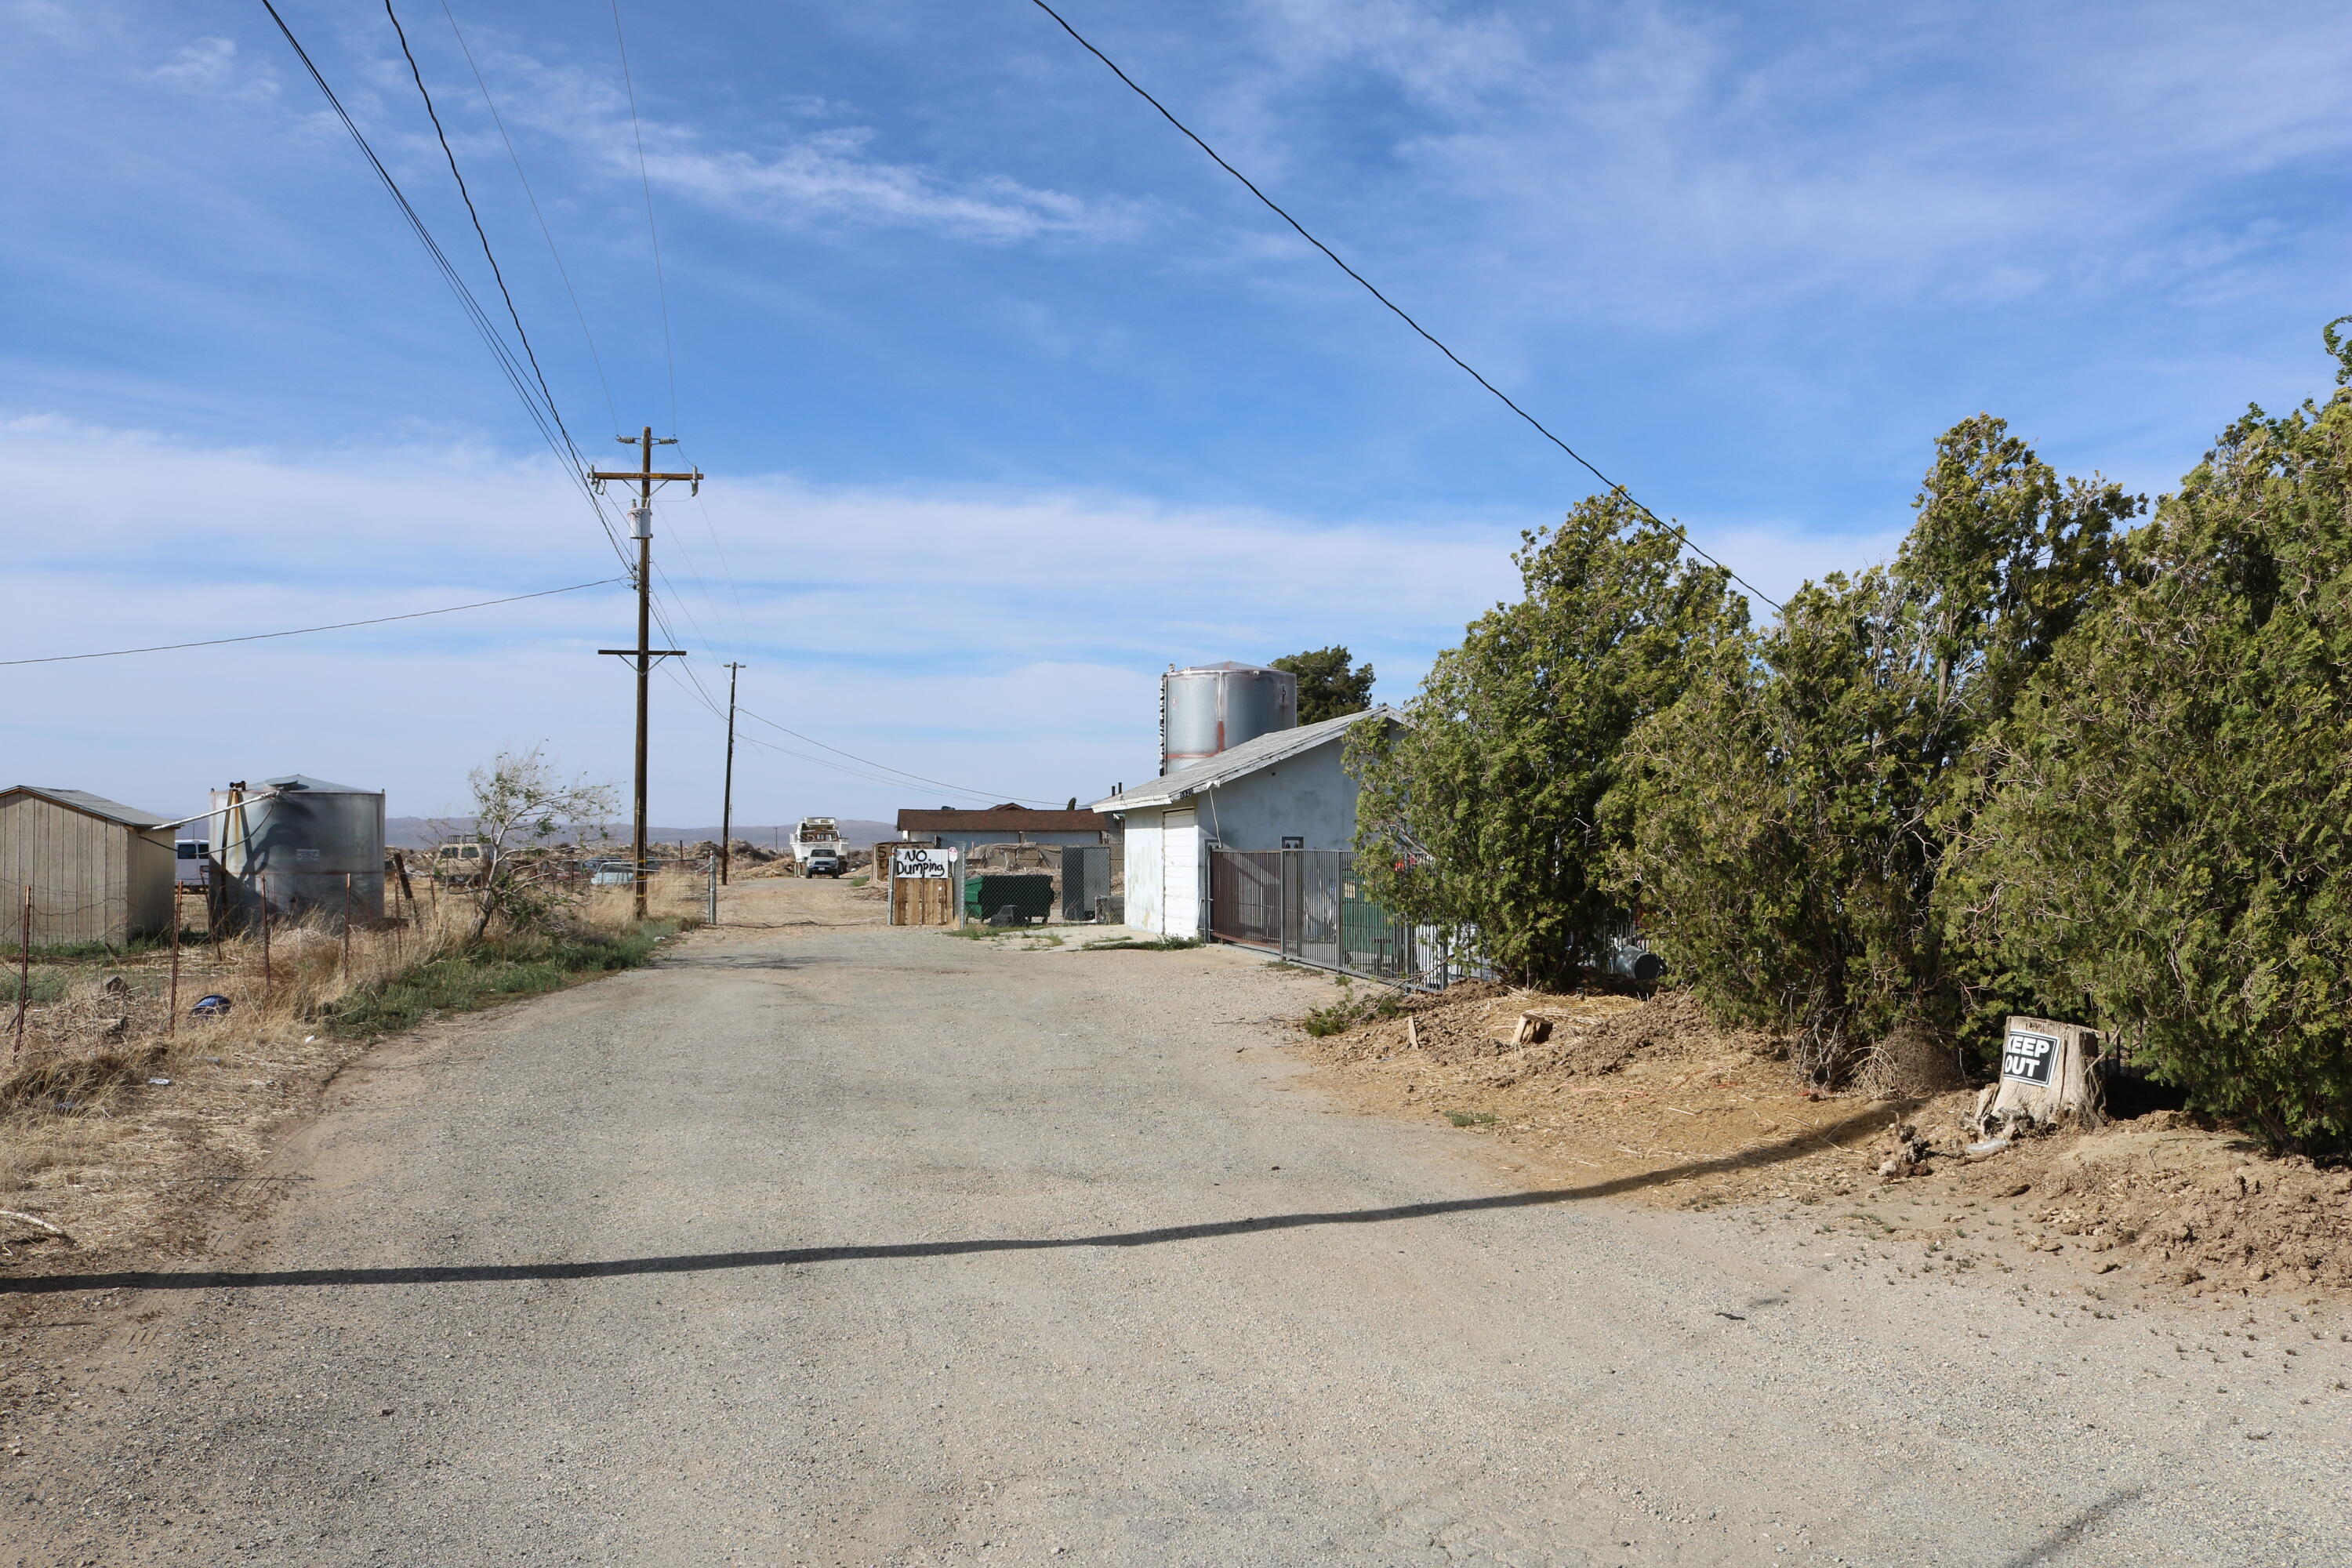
x: 823, y: 863
x: 462, y: 861
x: 612, y: 874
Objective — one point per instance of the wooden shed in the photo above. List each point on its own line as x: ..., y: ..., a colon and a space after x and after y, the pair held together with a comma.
x: 98, y: 870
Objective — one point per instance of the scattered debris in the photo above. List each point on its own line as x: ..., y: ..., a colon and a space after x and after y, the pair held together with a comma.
x: 1910, y: 1157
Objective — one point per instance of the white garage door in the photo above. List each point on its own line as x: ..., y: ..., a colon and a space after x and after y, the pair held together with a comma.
x: 1179, y: 873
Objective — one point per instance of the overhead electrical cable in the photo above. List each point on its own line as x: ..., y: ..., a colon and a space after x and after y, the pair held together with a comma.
x: 488, y: 254
x: 726, y: 568
x: 305, y: 631
x: 542, y: 416
x: 700, y: 697
x: 661, y: 289
x: 692, y: 685
x: 1273, y: 206
x: 870, y: 762
x: 531, y: 196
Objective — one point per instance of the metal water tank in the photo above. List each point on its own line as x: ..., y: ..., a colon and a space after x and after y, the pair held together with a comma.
x: 1213, y: 708
x: 298, y: 845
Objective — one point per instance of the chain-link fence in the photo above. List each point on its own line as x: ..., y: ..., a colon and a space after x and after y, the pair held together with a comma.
x: 1306, y: 905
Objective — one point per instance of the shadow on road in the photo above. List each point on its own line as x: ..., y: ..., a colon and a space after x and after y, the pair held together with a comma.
x: 701, y: 1262
x: 2066, y: 1534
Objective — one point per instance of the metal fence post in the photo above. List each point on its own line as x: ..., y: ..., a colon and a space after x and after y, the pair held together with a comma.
x: 714, y: 890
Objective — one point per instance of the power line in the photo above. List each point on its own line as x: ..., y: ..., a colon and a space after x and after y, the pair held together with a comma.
x: 479, y: 319
x: 661, y: 289
x: 917, y: 778
x: 488, y: 255
x: 688, y: 683
x: 1275, y: 208
x: 305, y: 631
x: 531, y: 196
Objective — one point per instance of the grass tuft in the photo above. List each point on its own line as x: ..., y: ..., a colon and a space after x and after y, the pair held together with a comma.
x: 1350, y: 1010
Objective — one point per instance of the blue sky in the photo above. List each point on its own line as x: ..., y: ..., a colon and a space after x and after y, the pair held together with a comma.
x: 1009, y: 397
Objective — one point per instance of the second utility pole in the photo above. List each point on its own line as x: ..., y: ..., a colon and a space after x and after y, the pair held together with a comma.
x: 641, y: 528
x: 727, y: 799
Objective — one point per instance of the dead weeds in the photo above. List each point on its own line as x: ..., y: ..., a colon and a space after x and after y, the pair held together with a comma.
x: 123, y: 1135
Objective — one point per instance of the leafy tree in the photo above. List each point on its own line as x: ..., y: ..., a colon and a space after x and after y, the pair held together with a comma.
x: 1328, y: 689
x: 1784, y: 823
x: 2166, y: 837
x: 521, y: 803
x: 1485, y: 810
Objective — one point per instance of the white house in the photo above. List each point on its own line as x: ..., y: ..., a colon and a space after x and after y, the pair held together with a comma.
x: 1282, y: 791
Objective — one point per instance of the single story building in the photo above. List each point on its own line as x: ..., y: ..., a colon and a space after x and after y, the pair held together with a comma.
x: 98, y: 870
x: 1287, y: 790
x: 1003, y: 825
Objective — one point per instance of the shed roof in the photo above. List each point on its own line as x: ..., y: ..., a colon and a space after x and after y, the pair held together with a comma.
x: 95, y: 805
x: 1246, y: 758
x: 999, y: 820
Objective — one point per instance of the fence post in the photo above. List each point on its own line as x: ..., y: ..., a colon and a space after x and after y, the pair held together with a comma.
x: 24, y: 972
x: 267, y: 982
x: 713, y: 870
x: 172, y: 1009
x: 347, y: 924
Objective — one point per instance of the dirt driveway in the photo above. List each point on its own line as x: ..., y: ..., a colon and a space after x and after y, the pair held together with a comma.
x: 831, y: 1244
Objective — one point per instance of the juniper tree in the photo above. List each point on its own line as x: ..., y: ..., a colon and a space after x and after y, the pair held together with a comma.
x: 2165, y: 837
x: 1483, y: 811
x: 1328, y: 689
x: 1784, y: 823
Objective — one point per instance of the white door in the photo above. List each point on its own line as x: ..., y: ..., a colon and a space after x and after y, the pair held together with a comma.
x: 1179, y: 873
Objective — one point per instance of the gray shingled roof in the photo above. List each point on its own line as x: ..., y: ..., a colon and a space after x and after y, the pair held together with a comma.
x: 96, y: 805
x: 1245, y: 758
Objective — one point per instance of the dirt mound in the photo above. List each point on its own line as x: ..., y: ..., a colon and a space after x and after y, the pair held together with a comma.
x: 1654, y: 1100
x: 2189, y: 1205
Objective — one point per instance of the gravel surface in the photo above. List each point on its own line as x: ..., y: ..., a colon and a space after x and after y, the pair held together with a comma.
x: 843, y: 1246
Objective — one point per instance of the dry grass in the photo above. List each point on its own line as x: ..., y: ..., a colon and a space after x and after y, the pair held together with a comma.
x: 119, y: 1123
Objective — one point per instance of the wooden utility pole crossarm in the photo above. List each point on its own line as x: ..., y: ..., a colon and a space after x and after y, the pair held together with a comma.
x: 641, y: 528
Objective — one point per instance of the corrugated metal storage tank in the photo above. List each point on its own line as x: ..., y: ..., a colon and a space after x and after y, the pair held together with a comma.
x: 98, y: 870
x: 304, y: 849
x: 1213, y: 708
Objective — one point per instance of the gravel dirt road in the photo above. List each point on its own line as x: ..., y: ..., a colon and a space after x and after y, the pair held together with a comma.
x: 829, y: 1244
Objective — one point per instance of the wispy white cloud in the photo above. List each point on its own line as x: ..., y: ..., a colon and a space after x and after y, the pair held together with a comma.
x: 1681, y: 163
x: 210, y: 67
x: 804, y: 177
x: 994, y: 637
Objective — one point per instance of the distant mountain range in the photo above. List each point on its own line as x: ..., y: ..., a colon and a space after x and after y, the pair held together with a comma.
x: 423, y: 832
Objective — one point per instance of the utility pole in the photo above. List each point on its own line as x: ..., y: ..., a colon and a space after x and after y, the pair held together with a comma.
x: 726, y: 800
x: 641, y: 528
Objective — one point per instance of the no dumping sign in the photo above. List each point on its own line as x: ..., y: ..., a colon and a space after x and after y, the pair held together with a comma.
x: 921, y: 861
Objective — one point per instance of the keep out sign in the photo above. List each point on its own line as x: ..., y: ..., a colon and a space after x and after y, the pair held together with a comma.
x: 2027, y: 1059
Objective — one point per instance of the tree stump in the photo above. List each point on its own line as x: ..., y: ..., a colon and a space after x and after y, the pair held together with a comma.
x: 2046, y: 1075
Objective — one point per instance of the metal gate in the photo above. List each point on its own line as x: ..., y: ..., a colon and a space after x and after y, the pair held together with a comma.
x: 1306, y: 905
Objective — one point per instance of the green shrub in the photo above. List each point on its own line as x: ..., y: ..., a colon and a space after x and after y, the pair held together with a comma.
x: 2165, y: 838
x: 1784, y: 823
x: 1483, y: 811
